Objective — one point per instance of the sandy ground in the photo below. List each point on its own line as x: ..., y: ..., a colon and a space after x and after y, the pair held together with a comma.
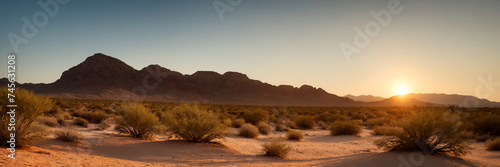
x: 108, y: 148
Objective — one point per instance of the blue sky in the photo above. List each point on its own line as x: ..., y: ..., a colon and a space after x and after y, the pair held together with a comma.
x: 429, y: 47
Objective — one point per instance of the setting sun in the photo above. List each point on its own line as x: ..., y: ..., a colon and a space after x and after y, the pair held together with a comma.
x: 401, y: 90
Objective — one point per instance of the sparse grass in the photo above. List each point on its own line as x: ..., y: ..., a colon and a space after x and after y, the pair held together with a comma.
x: 344, y: 128
x: 264, y: 128
x: 256, y: 116
x: 248, y: 130
x: 305, y: 121
x: 295, y: 135
x: 237, y: 123
x: 276, y: 148
x: 428, y: 131
x: 68, y: 134
x: 29, y: 107
x: 81, y: 122
x: 137, y: 120
x: 386, y: 130
x: 493, y: 144
x: 195, y: 124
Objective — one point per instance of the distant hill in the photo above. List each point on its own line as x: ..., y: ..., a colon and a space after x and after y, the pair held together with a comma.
x: 364, y: 98
x: 453, y: 99
x: 104, y: 77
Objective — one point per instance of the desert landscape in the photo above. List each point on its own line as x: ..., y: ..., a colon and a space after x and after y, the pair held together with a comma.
x: 327, y: 83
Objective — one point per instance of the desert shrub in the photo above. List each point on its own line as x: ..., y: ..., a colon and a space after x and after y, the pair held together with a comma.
x: 137, y: 120
x: 49, y: 121
x: 248, y: 130
x: 329, y: 118
x: 276, y: 148
x: 281, y: 127
x: 385, y: 130
x: 493, y: 144
x: 292, y: 125
x: 62, y: 117
x: 195, y: 124
x: 358, y: 116
x: 428, y: 131
x: 96, y: 106
x: 94, y: 116
x: 62, y: 103
x: 483, y: 138
x: 379, y: 121
x: 487, y: 124
x: 264, y: 128
x: 295, y: 135
x: 54, y: 110
x: 68, y: 134
x: 256, y: 116
x: 305, y: 121
x: 81, y: 122
x: 323, y: 125
x: 78, y: 112
x: 29, y: 107
x: 345, y: 128
x: 237, y: 123
x: 105, y: 124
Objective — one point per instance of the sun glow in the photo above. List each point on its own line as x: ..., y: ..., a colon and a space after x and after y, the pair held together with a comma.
x: 401, y: 90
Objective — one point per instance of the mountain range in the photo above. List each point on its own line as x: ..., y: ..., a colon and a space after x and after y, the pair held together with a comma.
x: 104, y: 77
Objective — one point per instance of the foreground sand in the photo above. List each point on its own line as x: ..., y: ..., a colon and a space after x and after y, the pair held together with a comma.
x: 107, y: 148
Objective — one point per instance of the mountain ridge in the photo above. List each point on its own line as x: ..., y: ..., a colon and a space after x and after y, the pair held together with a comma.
x: 104, y: 77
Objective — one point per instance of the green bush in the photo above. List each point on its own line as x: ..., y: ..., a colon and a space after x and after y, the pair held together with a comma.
x: 276, y: 148
x: 195, y: 124
x: 305, y: 121
x: 385, y: 130
x: 264, y: 128
x: 248, y: 130
x: 81, y: 122
x: 493, y: 145
x: 136, y: 120
x: 430, y: 131
x: 345, y: 128
x: 295, y: 135
x: 237, y: 123
x: 29, y: 107
x: 68, y: 134
x: 256, y: 116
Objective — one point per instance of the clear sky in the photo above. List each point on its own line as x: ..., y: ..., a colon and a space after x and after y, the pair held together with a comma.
x: 428, y: 47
